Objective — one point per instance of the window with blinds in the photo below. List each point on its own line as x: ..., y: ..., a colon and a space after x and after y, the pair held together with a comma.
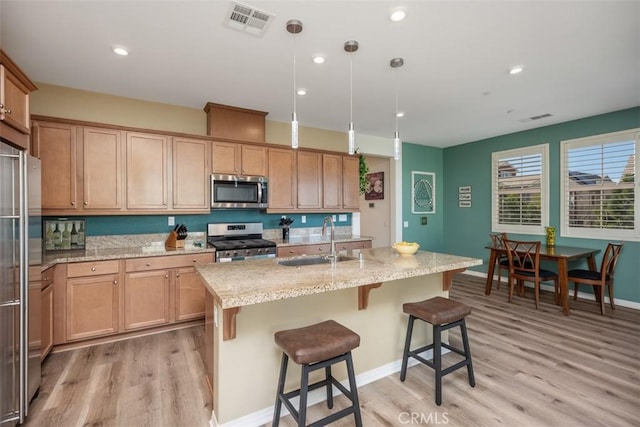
x: 599, y: 189
x: 520, y: 190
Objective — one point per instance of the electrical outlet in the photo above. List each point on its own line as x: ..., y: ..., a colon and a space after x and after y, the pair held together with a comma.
x: 334, y: 218
x: 342, y: 217
x: 303, y: 219
x: 406, y: 224
x: 171, y: 221
x: 424, y: 220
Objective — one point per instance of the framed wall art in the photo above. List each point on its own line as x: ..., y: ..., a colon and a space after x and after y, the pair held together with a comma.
x: 423, y: 194
x: 375, y: 189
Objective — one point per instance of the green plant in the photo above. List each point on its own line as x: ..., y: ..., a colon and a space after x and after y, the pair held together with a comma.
x: 364, y: 170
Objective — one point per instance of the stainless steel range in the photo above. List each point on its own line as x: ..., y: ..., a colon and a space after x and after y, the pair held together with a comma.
x: 239, y: 241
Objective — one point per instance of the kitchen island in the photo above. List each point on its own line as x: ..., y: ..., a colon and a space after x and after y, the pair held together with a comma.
x: 248, y: 301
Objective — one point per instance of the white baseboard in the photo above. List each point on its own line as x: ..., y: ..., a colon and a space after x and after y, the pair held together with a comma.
x: 546, y: 287
x: 265, y: 415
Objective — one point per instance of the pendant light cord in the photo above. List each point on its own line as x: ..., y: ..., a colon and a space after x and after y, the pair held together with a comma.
x: 396, y: 77
x: 294, y: 74
x: 351, y: 87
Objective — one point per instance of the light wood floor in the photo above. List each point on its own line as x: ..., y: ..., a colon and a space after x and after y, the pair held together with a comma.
x: 532, y: 367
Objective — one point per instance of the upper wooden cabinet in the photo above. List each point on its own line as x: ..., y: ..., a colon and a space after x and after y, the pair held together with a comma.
x: 332, y: 181
x: 350, y: 183
x: 147, y: 171
x: 238, y: 159
x: 227, y: 122
x: 309, y: 177
x: 15, y: 87
x: 81, y: 168
x: 191, y: 174
x: 282, y: 179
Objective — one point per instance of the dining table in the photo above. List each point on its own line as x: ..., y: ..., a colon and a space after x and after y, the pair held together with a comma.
x: 561, y: 255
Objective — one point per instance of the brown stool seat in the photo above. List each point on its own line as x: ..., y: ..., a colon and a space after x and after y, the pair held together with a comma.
x: 437, y: 310
x: 318, y: 342
x: 317, y: 347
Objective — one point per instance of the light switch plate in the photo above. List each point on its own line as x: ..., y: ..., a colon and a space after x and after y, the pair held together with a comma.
x: 303, y: 219
x: 406, y: 224
x: 171, y: 221
x: 342, y: 218
x: 334, y: 218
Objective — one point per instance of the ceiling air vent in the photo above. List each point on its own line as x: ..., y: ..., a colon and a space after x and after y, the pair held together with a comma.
x: 541, y: 116
x: 248, y: 19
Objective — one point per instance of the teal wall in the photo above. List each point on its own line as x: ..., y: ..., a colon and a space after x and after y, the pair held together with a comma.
x: 467, y: 229
x: 128, y: 224
x: 422, y: 159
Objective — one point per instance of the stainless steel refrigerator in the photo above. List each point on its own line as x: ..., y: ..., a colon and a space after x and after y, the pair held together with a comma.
x: 20, y: 249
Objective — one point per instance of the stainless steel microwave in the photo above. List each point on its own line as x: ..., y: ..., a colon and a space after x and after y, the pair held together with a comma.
x: 239, y: 192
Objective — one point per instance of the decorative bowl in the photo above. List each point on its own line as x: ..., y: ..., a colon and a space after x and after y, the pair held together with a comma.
x: 406, y: 248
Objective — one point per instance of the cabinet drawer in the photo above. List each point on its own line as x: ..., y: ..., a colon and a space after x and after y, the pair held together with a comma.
x: 163, y: 262
x: 350, y: 246
x: 321, y: 249
x: 92, y: 268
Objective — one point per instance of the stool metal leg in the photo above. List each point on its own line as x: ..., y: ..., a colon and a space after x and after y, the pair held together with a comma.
x: 437, y: 362
x: 327, y: 371
x: 280, y: 391
x: 407, y: 345
x: 467, y: 351
x: 354, y: 391
x: 304, y: 385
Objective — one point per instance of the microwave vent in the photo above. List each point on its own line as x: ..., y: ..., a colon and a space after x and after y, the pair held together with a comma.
x: 248, y: 19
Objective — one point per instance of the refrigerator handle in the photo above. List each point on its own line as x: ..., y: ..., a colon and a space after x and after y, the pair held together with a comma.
x: 24, y: 288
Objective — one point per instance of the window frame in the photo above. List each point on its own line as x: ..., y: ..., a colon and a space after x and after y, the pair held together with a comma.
x: 543, y: 151
x: 597, y: 233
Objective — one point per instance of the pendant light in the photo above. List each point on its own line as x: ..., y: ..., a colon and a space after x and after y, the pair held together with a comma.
x: 350, y: 47
x: 294, y: 27
x: 396, y: 63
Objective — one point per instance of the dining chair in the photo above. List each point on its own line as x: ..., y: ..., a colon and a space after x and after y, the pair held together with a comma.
x: 502, y: 262
x: 602, y: 278
x: 524, y: 265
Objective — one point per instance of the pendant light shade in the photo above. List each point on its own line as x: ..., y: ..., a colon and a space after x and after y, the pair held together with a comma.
x: 350, y: 47
x: 396, y: 63
x: 294, y: 27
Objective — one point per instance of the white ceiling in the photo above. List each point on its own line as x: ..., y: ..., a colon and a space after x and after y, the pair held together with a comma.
x: 581, y: 58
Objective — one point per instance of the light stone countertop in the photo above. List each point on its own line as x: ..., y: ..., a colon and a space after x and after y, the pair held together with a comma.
x: 242, y: 283
x: 316, y: 240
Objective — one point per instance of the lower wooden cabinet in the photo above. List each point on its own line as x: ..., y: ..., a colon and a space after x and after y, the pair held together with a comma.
x: 46, y: 320
x: 92, y: 306
x: 189, y: 294
x: 146, y: 299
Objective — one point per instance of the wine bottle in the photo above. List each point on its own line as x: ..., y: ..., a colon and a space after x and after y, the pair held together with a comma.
x: 57, y: 238
x: 74, y: 235
x: 66, y: 237
x: 81, y: 235
x: 48, y: 238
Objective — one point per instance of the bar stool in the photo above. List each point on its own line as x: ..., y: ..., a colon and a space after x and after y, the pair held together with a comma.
x: 315, y: 347
x: 442, y: 314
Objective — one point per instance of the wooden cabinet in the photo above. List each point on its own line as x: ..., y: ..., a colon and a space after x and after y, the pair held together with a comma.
x: 331, y: 181
x: 57, y: 145
x: 15, y: 87
x: 159, y: 290
x: 147, y: 171
x: 191, y: 174
x: 92, y: 303
x: 309, y: 179
x: 353, y: 245
x: 227, y: 122
x: 238, y: 159
x: 82, y: 168
x: 102, y: 169
x: 282, y: 179
x: 319, y: 249
x: 350, y: 183
x: 46, y: 313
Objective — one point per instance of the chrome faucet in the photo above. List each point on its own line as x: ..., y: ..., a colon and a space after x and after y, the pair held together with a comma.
x: 332, y: 256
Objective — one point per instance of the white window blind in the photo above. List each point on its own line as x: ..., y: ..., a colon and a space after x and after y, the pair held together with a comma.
x: 520, y: 190
x: 600, y: 191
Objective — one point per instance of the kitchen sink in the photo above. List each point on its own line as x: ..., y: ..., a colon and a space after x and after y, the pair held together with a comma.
x: 313, y: 260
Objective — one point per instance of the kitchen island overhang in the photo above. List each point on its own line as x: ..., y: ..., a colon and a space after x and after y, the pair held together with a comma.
x: 247, y: 302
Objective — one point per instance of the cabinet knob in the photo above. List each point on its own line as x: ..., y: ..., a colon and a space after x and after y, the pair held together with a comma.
x: 177, y: 274
x: 115, y: 282
x: 93, y: 269
x: 85, y: 203
x: 148, y: 264
x: 73, y: 203
x: 291, y: 251
x: 195, y: 260
x: 166, y: 276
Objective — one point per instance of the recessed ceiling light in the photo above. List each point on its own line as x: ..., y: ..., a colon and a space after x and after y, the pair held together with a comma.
x: 302, y: 92
x: 120, y: 50
x: 400, y: 114
x: 517, y: 69
x: 319, y: 59
x: 398, y: 15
